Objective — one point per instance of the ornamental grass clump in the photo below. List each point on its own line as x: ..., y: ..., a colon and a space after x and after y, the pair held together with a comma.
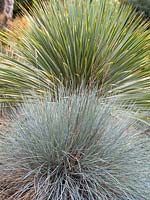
x: 98, y: 43
x: 77, y: 147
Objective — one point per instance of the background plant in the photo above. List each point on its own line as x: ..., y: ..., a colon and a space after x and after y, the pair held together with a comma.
x: 80, y: 43
x: 18, y: 3
x: 140, y: 5
x: 76, y: 147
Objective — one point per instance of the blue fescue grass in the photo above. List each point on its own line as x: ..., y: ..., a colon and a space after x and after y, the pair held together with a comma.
x: 77, y: 147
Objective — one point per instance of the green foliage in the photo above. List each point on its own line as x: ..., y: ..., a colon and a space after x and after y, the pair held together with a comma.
x: 141, y: 5
x: 77, y: 147
x: 23, y: 3
x: 82, y: 43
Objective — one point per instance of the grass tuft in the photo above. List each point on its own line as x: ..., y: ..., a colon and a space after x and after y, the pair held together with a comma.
x: 75, y: 148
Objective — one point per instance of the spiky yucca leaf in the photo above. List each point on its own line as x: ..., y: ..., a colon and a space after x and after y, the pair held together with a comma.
x: 80, y: 42
x: 74, y: 148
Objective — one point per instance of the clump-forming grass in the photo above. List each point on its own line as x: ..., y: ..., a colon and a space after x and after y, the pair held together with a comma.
x: 74, y: 148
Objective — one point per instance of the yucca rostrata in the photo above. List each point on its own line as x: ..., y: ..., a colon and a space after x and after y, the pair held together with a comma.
x: 75, y: 147
x: 79, y: 43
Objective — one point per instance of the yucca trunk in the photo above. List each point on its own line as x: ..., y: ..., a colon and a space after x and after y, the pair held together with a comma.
x: 6, y: 11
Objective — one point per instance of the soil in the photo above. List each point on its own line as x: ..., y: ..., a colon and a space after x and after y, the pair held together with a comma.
x: 5, y: 125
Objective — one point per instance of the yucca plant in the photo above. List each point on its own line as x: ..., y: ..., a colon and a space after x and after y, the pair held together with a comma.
x: 76, y: 147
x: 79, y: 43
